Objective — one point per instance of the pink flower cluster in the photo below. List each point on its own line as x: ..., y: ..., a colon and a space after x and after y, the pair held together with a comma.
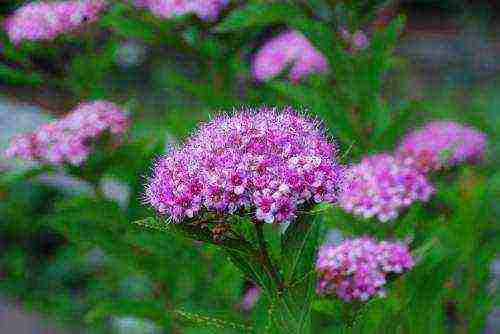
x: 267, y: 160
x: 441, y: 144
x: 45, y: 20
x: 357, y: 268
x: 357, y: 41
x: 289, y: 49
x: 69, y: 138
x: 207, y: 10
x: 381, y: 185
x: 250, y: 298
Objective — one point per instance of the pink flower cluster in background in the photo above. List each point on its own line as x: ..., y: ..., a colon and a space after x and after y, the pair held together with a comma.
x: 357, y: 41
x: 357, y: 268
x: 441, y: 144
x: 289, y: 49
x: 205, y: 9
x: 382, y: 185
x: 45, y: 20
x: 268, y: 160
x: 250, y: 298
x: 69, y: 139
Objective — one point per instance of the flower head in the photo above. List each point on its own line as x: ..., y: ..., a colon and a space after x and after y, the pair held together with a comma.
x: 68, y: 139
x: 45, y: 20
x: 442, y: 144
x: 290, y: 48
x: 357, y: 268
x: 265, y: 160
x: 250, y: 297
x: 357, y: 41
x: 207, y: 10
x: 382, y: 185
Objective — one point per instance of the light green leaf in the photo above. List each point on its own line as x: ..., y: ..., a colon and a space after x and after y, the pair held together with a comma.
x: 257, y: 15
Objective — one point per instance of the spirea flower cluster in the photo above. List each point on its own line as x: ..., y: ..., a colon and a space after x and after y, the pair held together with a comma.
x: 250, y: 298
x: 357, y: 41
x: 45, y: 20
x: 381, y: 186
x: 441, y: 144
x: 68, y: 140
x: 289, y: 49
x: 267, y: 160
x: 358, y: 268
x: 205, y: 9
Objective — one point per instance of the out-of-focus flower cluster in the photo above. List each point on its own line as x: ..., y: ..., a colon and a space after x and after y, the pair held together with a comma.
x: 45, y: 20
x: 441, y: 144
x: 289, y: 49
x: 382, y: 185
x: 69, y: 139
x: 250, y: 297
x: 357, y: 41
x: 268, y: 160
x: 205, y: 9
x: 357, y: 268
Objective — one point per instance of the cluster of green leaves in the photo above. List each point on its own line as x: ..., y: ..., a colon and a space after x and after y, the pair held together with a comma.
x: 79, y: 258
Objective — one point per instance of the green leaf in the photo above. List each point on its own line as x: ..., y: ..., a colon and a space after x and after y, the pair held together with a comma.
x: 149, y: 309
x: 16, y: 77
x: 298, y: 247
x: 152, y: 223
x: 257, y: 15
x: 331, y: 306
x: 250, y: 266
x: 205, y: 321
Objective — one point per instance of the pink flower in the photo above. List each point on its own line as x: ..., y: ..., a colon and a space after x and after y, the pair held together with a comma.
x: 250, y: 297
x: 44, y: 20
x: 207, y: 10
x: 382, y: 185
x: 69, y: 138
x: 265, y: 160
x: 442, y: 144
x: 357, y: 268
x: 292, y: 49
x: 357, y: 41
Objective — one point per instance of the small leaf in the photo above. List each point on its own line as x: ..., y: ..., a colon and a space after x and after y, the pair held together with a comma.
x: 257, y: 15
x: 211, y: 321
x: 329, y: 306
x: 152, y: 223
x: 15, y: 76
x: 299, y: 244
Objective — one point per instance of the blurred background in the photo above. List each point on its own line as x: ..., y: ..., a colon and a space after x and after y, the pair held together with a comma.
x: 169, y: 76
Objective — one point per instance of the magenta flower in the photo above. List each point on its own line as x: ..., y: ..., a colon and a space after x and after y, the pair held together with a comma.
x: 251, y: 296
x: 45, y: 20
x: 207, y: 10
x: 289, y: 49
x: 357, y: 268
x: 441, y: 144
x: 267, y: 161
x: 357, y: 41
x: 382, y: 185
x: 68, y: 140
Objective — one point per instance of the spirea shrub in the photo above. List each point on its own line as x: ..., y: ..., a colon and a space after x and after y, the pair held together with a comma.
x: 442, y: 144
x: 382, y: 186
x: 260, y: 186
x: 358, y: 268
x: 45, y: 20
x: 269, y: 161
x: 289, y: 50
x: 69, y: 139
